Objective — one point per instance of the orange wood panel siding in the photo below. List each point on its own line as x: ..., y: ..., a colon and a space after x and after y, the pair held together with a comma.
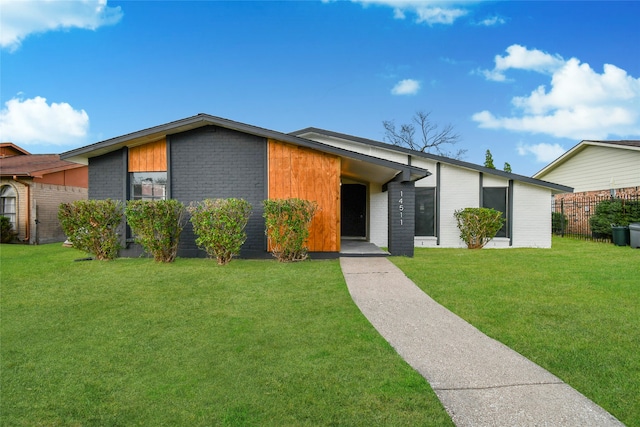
x: 151, y: 157
x: 307, y: 174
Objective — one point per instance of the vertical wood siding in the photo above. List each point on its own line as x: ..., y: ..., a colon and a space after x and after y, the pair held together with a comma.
x: 298, y: 172
x: 151, y: 157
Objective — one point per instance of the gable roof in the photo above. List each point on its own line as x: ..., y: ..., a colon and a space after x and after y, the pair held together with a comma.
x: 34, y: 165
x: 374, y: 165
x: 8, y: 149
x: 582, y: 145
x: 436, y: 158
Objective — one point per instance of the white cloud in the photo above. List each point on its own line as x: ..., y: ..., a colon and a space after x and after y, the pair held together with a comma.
x: 406, y: 87
x: 519, y: 57
x: 426, y: 11
x: 20, y: 18
x: 34, y: 121
x: 492, y: 21
x: 544, y: 153
x: 579, y: 103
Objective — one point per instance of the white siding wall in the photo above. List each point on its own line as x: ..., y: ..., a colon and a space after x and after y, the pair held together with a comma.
x: 459, y: 189
x: 592, y: 169
x: 494, y: 181
x: 378, y: 216
x: 531, y: 216
x: 361, y: 148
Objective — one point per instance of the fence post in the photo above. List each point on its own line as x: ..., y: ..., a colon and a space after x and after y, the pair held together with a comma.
x: 562, y: 221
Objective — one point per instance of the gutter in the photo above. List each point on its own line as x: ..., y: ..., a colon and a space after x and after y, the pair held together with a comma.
x: 27, y: 234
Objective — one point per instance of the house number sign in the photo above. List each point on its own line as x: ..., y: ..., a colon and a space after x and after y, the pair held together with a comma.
x: 401, y: 206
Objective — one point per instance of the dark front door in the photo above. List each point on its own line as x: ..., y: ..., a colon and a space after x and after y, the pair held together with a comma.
x: 353, y: 210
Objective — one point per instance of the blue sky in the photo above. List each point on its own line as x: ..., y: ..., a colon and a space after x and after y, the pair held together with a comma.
x: 526, y: 80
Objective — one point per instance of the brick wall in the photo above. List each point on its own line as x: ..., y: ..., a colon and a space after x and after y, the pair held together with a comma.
x: 46, y: 199
x: 402, y: 201
x: 107, y: 180
x: 619, y: 192
x: 213, y: 162
x: 107, y: 176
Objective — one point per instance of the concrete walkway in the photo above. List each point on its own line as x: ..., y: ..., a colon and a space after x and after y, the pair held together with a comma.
x: 480, y: 381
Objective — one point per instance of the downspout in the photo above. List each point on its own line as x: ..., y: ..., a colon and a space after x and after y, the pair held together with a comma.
x: 27, y: 229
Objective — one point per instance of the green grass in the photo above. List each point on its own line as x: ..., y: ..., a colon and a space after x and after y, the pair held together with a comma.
x: 573, y: 309
x: 132, y: 342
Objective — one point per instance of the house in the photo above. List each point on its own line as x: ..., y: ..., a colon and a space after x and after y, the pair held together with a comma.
x: 32, y: 186
x: 597, y: 168
x: 366, y: 190
x: 598, y: 171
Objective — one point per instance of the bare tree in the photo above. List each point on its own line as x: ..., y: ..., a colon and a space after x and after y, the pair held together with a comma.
x: 429, y: 139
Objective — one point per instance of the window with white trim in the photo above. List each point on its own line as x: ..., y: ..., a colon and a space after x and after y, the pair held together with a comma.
x: 8, y: 204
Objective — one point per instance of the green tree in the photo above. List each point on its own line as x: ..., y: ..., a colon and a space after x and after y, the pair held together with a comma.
x: 488, y: 160
x: 507, y: 167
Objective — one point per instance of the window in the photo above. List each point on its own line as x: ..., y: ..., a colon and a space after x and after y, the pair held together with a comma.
x: 148, y: 185
x: 496, y: 198
x: 8, y: 204
x: 425, y: 211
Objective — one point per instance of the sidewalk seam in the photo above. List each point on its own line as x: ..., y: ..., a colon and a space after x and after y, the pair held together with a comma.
x: 497, y: 386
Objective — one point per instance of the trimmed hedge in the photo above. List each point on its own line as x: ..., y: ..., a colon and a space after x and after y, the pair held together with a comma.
x: 157, y: 225
x: 478, y: 225
x: 219, y: 225
x: 287, y: 224
x: 91, y: 226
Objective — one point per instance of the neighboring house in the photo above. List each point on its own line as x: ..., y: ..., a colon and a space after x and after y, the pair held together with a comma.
x: 596, y: 168
x: 366, y: 190
x: 32, y: 186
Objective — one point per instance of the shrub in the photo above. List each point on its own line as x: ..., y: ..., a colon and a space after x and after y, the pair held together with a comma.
x: 219, y: 225
x: 7, y: 234
x: 91, y: 226
x: 287, y: 227
x: 157, y: 225
x: 613, y: 212
x: 478, y: 225
x: 558, y: 222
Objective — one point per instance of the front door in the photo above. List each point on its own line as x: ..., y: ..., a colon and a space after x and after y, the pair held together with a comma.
x: 353, y: 213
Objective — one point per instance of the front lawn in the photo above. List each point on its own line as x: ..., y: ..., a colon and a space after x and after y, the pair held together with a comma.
x: 132, y: 342
x: 573, y: 309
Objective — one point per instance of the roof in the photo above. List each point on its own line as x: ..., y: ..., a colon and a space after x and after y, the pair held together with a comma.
x: 374, y: 165
x: 436, y: 158
x: 8, y: 149
x: 34, y: 165
x: 582, y: 145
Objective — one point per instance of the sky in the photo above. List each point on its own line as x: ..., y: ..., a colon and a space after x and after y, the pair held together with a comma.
x: 527, y: 80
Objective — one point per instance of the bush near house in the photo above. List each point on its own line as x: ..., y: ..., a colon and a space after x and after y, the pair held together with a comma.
x: 157, y: 225
x: 618, y: 212
x: 91, y: 225
x: 7, y: 234
x: 287, y: 224
x: 219, y: 225
x: 558, y: 223
x: 478, y: 225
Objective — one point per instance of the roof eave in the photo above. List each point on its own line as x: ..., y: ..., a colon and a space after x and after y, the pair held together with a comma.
x: 81, y: 155
x: 471, y: 166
